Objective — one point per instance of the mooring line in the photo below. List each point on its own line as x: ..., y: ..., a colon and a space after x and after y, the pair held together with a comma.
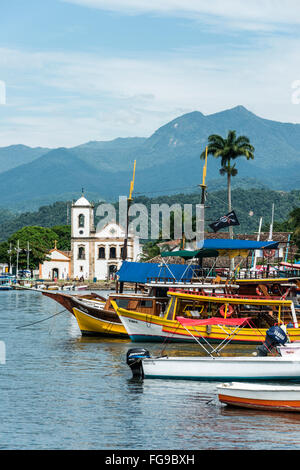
x: 44, y: 319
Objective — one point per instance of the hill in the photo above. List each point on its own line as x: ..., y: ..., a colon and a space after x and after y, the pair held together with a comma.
x: 249, y: 204
x: 166, y: 161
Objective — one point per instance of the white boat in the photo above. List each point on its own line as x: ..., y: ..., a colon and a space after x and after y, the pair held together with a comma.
x: 225, y: 368
x: 260, y: 396
x: 213, y: 366
x: 289, y: 349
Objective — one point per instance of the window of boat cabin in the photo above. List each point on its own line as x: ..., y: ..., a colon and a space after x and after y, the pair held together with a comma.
x: 122, y: 303
x: 81, y: 220
x: 146, y: 303
x: 101, y: 252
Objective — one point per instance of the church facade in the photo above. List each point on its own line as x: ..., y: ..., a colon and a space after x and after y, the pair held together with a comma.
x: 97, y: 254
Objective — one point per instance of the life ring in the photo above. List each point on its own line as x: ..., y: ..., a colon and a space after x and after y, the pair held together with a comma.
x: 259, y: 291
x: 269, y: 253
x: 229, y: 312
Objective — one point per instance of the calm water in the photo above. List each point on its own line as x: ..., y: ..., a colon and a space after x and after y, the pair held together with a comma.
x: 62, y: 391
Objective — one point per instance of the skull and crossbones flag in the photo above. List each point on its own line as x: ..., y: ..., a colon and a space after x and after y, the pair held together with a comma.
x: 225, y: 221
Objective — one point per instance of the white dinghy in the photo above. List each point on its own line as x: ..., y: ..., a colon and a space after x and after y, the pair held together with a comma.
x: 260, y: 396
x: 220, y: 368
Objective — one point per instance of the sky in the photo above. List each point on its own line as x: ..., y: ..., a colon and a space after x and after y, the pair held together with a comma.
x: 73, y: 71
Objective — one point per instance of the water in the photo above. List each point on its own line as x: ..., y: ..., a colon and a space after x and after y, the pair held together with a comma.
x: 60, y: 391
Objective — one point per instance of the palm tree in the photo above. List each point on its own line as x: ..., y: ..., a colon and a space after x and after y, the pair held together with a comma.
x: 229, y: 149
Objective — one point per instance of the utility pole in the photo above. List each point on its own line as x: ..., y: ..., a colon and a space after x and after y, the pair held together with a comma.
x: 28, y: 251
x: 10, y: 253
x: 18, y: 251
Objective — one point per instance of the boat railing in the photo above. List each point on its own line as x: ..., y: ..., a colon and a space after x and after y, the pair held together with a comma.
x: 222, y: 295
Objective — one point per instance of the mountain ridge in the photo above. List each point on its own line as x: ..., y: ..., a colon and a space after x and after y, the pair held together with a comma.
x: 167, y: 158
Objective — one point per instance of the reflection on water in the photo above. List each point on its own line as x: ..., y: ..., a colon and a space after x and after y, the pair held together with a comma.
x: 60, y: 390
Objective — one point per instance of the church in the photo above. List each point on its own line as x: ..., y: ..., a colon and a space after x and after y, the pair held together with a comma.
x: 97, y: 255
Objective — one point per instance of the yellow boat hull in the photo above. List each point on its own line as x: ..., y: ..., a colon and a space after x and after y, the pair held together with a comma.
x: 92, y: 326
x: 141, y: 327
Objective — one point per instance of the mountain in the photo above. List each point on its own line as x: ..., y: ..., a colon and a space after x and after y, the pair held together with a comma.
x: 167, y: 161
x: 15, y: 155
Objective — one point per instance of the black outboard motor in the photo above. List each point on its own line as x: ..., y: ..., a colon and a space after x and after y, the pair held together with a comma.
x: 134, y: 360
x: 274, y: 337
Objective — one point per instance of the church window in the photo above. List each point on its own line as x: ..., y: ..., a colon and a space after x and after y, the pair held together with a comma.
x: 81, y: 252
x: 101, y: 252
x: 81, y: 220
x: 112, y: 252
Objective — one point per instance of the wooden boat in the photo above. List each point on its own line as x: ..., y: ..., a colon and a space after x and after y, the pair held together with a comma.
x: 96, y: 316
x: 262, y: 313
x: 94, y: 323
x: 69, y: 301
x: 260, y: 396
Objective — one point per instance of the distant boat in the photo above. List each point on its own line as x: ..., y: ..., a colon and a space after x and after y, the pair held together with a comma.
x: 260, y: 396
x: 6, y: 283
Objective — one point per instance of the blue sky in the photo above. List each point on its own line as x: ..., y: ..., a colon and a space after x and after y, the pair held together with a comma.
x: 80, y: 70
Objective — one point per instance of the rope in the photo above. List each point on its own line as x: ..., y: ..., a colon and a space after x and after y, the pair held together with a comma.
x: 39, y: 321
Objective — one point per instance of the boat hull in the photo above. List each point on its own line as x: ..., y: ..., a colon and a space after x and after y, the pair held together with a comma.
x: 222, y: 368
x: 149, y: 328
x: 91, y: 326
x: 260, y: 397
x: 70, y: 301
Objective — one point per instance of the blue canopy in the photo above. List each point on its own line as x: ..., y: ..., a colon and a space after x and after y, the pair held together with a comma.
x: 143, y: 272
x: 229, y: 244
x: 216, y: 247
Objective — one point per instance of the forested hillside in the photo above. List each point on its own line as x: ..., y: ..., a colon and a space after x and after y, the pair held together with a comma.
x: 249, y: 204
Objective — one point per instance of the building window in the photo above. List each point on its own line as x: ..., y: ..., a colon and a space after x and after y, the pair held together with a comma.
x: 112, y: 252
x: 81, y: 268
x: 81, y: 220
x: 122, y: 251
x: 101, y: 252
x: 81, y: 252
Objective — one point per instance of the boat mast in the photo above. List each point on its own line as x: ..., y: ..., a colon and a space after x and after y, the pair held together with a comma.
x: 129, y: 201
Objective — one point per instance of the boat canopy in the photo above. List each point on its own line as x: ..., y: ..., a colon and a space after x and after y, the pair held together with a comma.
x: 222, y: 247
x: 213, y: 321
x: 142, y: 272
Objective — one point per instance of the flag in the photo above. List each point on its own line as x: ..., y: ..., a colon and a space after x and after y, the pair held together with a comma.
x: 225, y: 221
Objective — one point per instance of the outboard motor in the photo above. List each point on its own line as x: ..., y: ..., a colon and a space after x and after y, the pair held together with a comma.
x: 275, y: 336
x: 134, y: 360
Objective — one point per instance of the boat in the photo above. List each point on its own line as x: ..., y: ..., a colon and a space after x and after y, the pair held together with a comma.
x: 220, y: 368
x: 203, y: 316
x: 69, y: 301
x: 289, y: 349
x: 96, y: 315
x: 6, y: 283
x: 216, y: 367
x: 260, y: 396
x: 92, y: 322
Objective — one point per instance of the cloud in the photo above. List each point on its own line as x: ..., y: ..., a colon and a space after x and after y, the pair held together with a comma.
x: 253, y: 15
x: 64, y: 98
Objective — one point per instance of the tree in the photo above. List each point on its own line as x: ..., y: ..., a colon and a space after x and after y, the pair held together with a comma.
x: 63, y: 237
x: 227, y: 150
x: 41, y: 241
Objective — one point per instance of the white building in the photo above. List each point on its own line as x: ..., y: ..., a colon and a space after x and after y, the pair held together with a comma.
x: 57, y: 266
x: 97, y: 254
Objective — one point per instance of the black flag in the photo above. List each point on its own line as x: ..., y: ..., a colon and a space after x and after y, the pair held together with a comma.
x: 225, y: 221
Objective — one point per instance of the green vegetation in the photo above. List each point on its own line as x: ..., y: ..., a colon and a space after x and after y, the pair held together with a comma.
x: 41, y: 240
x: 249, y: 204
